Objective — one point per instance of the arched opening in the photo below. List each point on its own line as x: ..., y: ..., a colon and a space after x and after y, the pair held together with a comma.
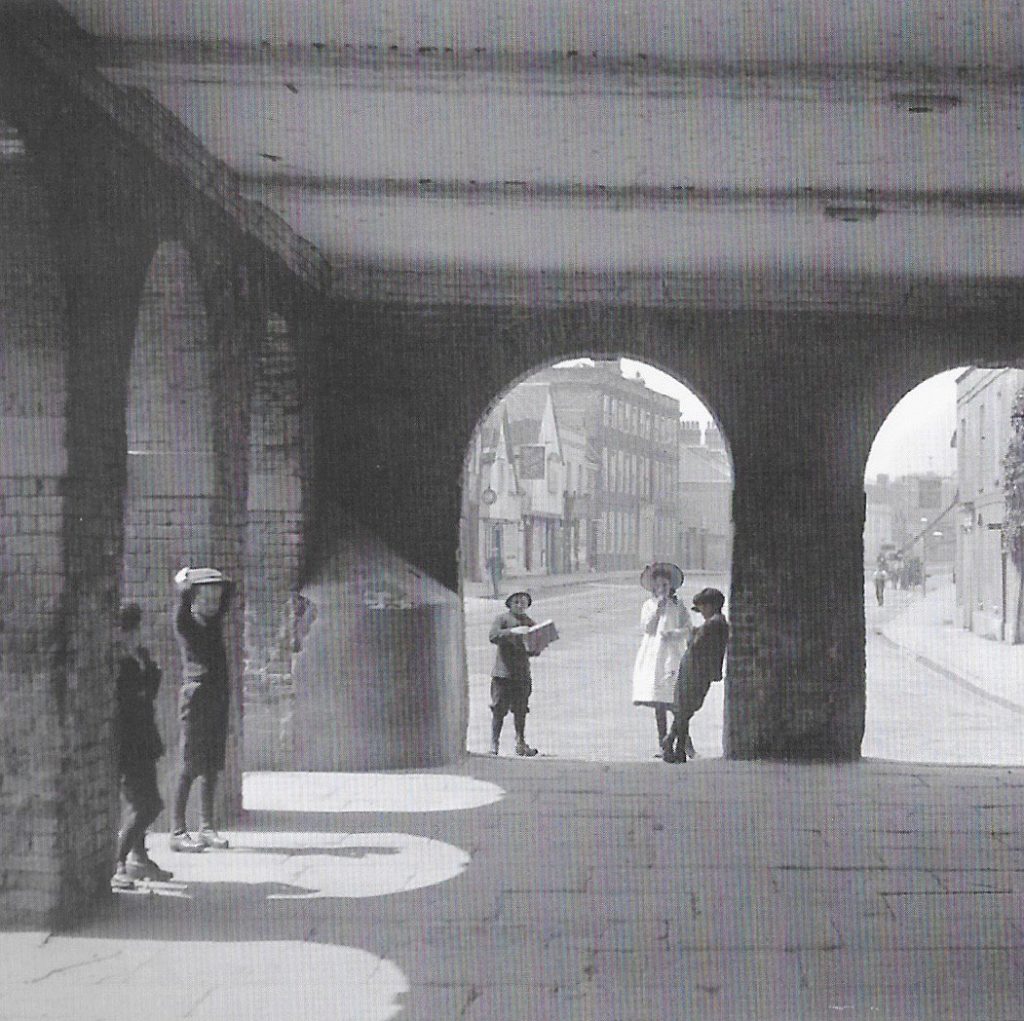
x: 274, y: 550
x: 942, y: 589
x: 171, y: 508
x: 577, y: 477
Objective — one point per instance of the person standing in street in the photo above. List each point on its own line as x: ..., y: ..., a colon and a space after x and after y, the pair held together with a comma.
x: 666, y: 630
x: 701, y: 666
x: 204, y: 594
x: 880, y: 578
x: 495, y: 567
x: 511, y: 682
x: 138, y: 748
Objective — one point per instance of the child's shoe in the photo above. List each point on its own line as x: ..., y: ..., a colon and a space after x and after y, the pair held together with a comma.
x: 120, y: 880
x: 522, y: 748
x: 145, y: 868
x: 209, y: 837
x: 494, y: 747
x: 186, y: 843
x: 690, y: 751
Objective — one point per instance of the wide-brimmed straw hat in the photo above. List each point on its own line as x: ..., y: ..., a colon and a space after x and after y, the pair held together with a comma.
x: 675, y: 575
x: 529, y: 599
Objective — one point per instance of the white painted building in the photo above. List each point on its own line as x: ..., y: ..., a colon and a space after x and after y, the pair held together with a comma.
x: 987, y: 583
x: 498, y: 497
x: 533, y: 434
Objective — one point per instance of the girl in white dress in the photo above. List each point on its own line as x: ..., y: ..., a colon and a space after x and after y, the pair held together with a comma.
x: 666, y: 631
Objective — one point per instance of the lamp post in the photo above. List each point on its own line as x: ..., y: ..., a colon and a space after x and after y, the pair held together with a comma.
x: 924, y: 559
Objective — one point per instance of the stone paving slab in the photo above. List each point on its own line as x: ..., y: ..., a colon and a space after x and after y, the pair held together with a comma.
x: 718, y: 890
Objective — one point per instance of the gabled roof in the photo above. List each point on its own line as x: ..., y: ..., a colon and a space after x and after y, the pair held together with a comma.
x: 491, y: 434
x: 526, y: 405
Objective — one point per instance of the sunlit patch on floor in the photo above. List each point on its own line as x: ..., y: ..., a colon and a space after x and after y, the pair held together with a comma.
x: 311, y: 865
x: 365, y: 792
x: 78, y: 979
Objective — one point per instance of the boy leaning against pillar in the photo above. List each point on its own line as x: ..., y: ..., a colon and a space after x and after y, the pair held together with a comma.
x: 139, y: 746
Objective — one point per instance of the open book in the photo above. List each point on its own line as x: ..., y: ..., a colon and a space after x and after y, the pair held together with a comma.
x: 540, y: 636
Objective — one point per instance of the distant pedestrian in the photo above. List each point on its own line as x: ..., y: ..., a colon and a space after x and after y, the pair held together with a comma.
x: 138, y: 747
x: 700, y: 668
x: 495, y: 568
x: 880, y: 578
x: 511, y: 683
x: 666, y: 631
x: 204, y: 594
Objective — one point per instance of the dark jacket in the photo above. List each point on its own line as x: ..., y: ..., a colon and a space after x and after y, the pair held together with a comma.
x: 203, y: 656
x: 512, y: 660
x: 702, y: 663
x: 136, y: 733
x: 203, y: 697
x: 707, y: 650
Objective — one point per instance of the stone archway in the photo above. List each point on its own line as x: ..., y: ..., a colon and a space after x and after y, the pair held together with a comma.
x: 599, y: 460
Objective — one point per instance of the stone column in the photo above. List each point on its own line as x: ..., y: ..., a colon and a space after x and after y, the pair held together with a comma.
x: 33, y: 582
x: 795, y: 685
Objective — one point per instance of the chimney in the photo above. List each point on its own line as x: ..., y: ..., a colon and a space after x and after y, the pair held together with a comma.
x: 689, y: 434
x: 713, y: 438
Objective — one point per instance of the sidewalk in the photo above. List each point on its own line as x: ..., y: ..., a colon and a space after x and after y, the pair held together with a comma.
x: 503, y: 889
x: 542, y: 582
x: 553, y: 582
x: 925, y: 628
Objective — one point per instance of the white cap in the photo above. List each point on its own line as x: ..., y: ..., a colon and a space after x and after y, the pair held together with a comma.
x: 188, y: 577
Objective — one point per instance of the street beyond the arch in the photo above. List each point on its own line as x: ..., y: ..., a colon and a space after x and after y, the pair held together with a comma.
x: 935, y: 692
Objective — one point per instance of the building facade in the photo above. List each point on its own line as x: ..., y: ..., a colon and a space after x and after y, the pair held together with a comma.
x: 492, y: 501
x: 633, y: 443
x: 987, y: 583
x: 704, y: 499
x: 537, y: 448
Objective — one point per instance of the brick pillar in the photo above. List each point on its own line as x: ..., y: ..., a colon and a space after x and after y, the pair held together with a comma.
x: 33, y: 462
x: 795, y: 687
x: 274, y: 609
x: 237, y: 321
x: 69, y: 291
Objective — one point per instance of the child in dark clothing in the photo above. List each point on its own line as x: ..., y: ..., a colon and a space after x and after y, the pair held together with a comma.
x: 510, y: 676
x: 139, y: 746
x: 203, y: 597
x: 700, y: 668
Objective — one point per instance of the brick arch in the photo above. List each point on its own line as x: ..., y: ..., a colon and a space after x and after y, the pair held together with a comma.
x: 274, y: 546
x: 470, y: 555
x: 624, y: 524
x: 173, y: 506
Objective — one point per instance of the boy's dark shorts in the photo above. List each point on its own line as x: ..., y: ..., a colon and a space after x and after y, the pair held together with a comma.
x: 140, y: 789
x: 203, y: 711
x: 510, y: 693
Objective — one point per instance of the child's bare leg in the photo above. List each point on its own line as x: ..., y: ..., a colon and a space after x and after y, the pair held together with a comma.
x: 661, y: 718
